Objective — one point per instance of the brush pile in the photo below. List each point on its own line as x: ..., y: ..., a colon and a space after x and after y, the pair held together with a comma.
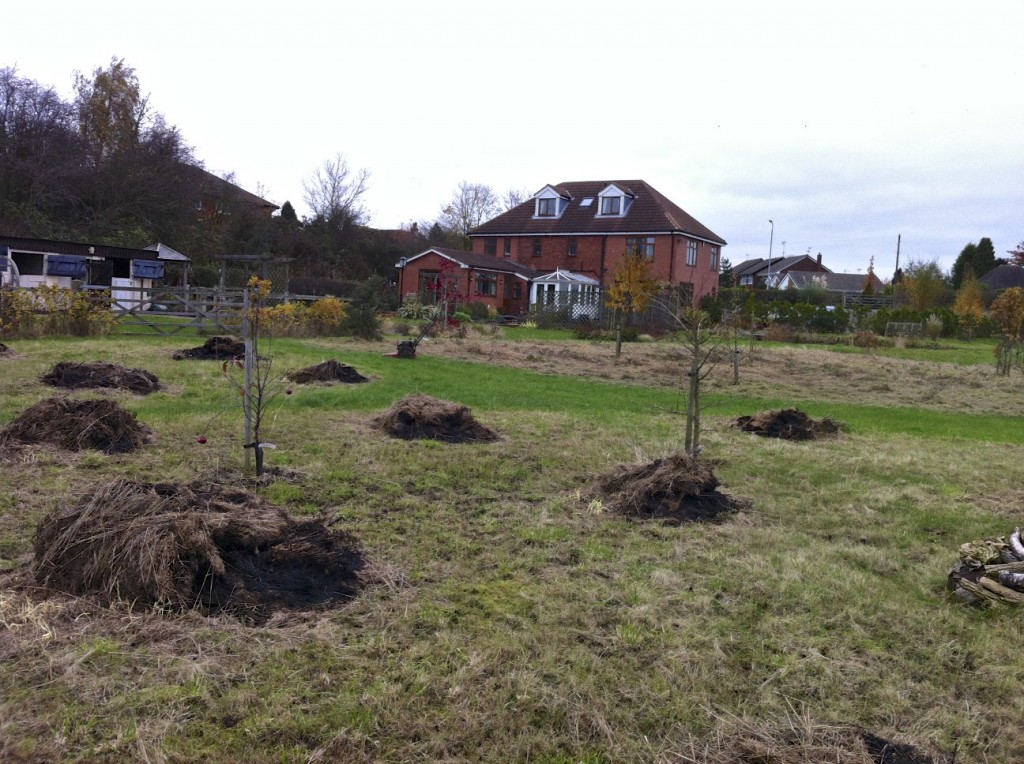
x: 327, y: 372
x: 4, y: 350
x: 990, y: 571
x: 214, y: 349
x: 76, y: 425
x: 420, y: 416
x: 788, y: 424
x: 678, y: 487
x: 200, y: 545
x: 76, y: 376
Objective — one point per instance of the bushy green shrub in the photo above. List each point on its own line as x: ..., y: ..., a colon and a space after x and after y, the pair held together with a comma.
x: 477, y: 311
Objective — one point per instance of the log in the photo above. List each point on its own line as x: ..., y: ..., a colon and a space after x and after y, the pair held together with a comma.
x: 1011, y: 579
x: 1015, y: 544
x: 1004, y: 593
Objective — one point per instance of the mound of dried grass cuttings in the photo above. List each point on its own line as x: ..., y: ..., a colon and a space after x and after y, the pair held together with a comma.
x: 75, y: 376
x: 788, y: 424
x: 677, y: 487
x: 421, y: 416
x: 214, y: 349
x: 328, y: 371
x: 78, y: 425
x: 200, y: 545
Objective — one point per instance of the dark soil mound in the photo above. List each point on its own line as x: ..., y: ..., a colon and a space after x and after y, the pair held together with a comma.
x: 887, y: 752
x: 77, y: 425
x: 201, y: 545
x: 75, y: 376
x: 421, y: 416
x: 4, y: 350
x: 328, y: 371
x: 789, y: 424
x: 214, y: 349
x: 679, y: 488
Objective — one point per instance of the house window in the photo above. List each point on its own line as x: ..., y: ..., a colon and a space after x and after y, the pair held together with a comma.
x: 714, y: 258
x: 611, y: 205
x: 508, y: 247
x: 536, y: 247
x: 643, y: 245
x: 691, y: 253
x: 428, y: 285
x: 571, y: 247
x: 686, y: 294
x: 490, y: 246
x: 547, y: 208
x: 513, y: 289
x: 486, y: 285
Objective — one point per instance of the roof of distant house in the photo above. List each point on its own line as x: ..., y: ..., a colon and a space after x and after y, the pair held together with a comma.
x: 759, y: 265
x: 479, y: 262
x: 215, y: 186
x: 835, y: 282
x: 649, y: 212
x: 1004, y: 277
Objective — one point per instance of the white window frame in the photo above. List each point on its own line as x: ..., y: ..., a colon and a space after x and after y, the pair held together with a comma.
x: 691, y: 253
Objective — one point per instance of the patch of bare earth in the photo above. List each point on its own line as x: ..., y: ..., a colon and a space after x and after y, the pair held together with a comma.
x: 793, y: 373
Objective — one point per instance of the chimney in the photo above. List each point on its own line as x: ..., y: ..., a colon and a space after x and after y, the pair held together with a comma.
x: 819, y: 258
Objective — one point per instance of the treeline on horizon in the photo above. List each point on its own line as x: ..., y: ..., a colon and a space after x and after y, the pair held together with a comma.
x: 105, y: 168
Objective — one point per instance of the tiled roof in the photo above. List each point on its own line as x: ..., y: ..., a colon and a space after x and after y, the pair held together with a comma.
x: 1003, y: 277
x: 649, y: 212
x: 481, y: 262
x: 835, y: 282
x: 759, y: 266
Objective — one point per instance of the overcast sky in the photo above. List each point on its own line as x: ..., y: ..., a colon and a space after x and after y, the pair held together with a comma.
x: 847, y: 123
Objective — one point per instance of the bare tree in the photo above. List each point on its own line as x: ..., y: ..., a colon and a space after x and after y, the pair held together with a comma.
x: 514, y: 197
x: 470, y: 205
x: 334, y: 192
x: 703, y: 347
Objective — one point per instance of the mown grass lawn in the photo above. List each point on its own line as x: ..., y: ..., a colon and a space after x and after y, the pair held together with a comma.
x: 508, y: 616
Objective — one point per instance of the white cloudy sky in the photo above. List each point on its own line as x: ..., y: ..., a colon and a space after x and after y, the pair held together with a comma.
x: 847, y: 123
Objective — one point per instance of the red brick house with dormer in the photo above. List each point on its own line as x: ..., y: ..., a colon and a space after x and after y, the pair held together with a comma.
x: 586, y: 227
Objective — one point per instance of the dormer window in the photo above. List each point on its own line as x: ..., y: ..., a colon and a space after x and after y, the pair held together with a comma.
x: 611, y: 205
x: 547, y: 208
x: 613, y: 201
x: 550, y: 203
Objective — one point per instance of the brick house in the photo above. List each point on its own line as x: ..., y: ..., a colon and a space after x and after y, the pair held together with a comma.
x: 585, y: 227
x: 501, y: 284
x: 762, y: 272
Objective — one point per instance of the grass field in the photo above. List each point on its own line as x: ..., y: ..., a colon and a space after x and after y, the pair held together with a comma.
x: 506, y: 616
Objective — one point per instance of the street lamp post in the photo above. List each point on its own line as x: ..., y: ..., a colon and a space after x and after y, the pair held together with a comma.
x: 771, y: 237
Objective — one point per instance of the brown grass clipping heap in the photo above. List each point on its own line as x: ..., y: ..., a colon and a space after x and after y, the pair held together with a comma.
x: 200, y: 545
x: 214, y: 349
x: 75, y: 376
x: 328, y: 371
x: 678, y: 488
x: 788, y: 424
x: 420, y: 416
x: 77, y: 425
x: 990, y: 571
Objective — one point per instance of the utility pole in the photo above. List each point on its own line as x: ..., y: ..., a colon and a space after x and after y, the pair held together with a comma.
x: 896, y: 275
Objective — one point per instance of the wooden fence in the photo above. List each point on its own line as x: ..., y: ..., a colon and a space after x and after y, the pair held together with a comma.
x: 171, y: 310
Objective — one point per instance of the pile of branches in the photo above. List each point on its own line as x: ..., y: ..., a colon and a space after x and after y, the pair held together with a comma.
x: 214, y: 349
x: 422, y: 416
x: 76, y: 425
x: 71, y: 375
x: 788, y: 424
x: 200, y: 545
x: 678, y: 487
x: 327, y: 372
x: 990, y: 571
x: 4, y: 350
